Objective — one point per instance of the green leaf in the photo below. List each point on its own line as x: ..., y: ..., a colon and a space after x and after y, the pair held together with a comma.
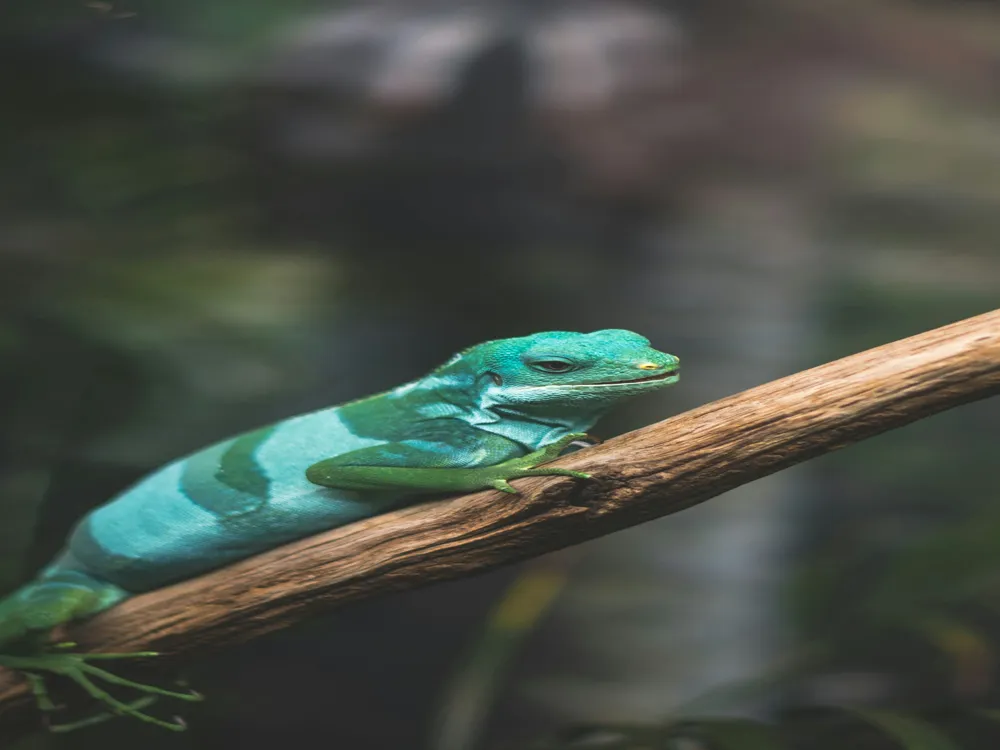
x: 732, y: 734
x: 910, y: 733
x: 604, y: 737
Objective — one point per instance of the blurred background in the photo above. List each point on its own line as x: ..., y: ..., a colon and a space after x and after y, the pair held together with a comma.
x: 215, y: 214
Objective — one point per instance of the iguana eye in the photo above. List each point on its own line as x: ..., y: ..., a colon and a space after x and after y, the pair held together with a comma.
x: 553, y: 365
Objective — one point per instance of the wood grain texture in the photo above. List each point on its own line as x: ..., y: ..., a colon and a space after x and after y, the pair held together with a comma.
x: 642, y: 475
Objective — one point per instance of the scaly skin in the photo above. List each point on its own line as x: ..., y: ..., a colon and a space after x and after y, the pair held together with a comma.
x: 491, y: 414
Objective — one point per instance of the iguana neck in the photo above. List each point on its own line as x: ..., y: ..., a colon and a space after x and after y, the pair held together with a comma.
x: 459, y: 396
x: 533, y: 431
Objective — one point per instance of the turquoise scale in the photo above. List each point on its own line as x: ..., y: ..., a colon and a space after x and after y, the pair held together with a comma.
x: 194, y: 515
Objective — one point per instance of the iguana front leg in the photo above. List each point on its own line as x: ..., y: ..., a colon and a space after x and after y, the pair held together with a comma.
x: 402, y: 466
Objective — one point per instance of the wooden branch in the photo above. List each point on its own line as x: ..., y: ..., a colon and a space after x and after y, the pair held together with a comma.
x: 642, y: 475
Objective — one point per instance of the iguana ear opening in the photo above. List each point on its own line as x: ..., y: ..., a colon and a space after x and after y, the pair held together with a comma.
x: 495, y: 377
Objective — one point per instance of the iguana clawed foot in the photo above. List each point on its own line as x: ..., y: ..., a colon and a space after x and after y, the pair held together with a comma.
x: 78, y: 668
x: 526, y: 466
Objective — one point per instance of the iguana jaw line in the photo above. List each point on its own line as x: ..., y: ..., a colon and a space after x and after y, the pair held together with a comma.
x: 670, y: 376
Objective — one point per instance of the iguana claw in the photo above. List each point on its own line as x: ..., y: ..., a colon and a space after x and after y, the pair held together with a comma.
x: 78, y: 668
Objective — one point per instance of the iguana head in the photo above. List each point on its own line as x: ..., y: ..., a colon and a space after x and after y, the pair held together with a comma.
x: 561, y: 369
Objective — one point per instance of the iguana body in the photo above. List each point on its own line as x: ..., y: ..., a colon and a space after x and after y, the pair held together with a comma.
x: 490, y: 414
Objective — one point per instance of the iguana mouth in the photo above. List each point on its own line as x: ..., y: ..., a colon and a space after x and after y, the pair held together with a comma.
x: 568, y: 386
x: 661, y: 376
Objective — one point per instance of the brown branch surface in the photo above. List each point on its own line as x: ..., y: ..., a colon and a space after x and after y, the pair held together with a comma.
x: 642, y: 475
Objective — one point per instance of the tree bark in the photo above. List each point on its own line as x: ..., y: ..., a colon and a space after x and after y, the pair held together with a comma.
x: 645, y: 474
